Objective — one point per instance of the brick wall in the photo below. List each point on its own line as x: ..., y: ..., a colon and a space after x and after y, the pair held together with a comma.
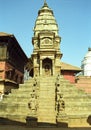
x: 16, y: 75
x: 2, y: 70
x: 69, y: 75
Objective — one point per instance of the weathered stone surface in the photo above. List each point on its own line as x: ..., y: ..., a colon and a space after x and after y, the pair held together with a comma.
x: 74, y: 113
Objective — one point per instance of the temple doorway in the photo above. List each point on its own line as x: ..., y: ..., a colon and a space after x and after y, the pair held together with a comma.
x: 47, y: 67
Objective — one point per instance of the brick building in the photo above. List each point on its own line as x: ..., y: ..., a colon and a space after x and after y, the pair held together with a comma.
x: 12, y: 61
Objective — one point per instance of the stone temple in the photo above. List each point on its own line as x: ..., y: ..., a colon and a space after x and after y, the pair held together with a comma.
x: 52, y: 96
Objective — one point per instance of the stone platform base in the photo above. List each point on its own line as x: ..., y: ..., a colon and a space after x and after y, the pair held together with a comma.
x: 9, y: 127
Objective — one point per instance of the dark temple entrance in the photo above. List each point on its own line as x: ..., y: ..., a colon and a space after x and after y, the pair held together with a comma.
x: 47, y: 67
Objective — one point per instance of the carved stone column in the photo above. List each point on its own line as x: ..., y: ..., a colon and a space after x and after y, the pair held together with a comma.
x: 40, y: 67
x: 53, y: 67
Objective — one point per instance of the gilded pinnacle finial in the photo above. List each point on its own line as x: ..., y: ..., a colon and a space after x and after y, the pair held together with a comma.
x: 89, y: 49
x: 44, y: 1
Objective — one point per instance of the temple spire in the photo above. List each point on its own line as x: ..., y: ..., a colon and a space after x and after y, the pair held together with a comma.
x: 45, y: 3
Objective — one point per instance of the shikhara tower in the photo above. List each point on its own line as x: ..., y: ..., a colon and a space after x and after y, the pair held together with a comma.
x: 46, y: 41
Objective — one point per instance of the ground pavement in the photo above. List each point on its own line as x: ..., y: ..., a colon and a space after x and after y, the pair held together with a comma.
x: 9, y: 127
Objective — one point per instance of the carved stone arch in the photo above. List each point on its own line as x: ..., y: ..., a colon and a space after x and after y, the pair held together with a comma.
x: 47, y: 67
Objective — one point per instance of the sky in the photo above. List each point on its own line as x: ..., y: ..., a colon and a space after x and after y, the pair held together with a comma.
x: 73, y: 18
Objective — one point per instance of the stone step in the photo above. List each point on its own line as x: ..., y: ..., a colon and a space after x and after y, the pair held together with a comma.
x: 47, y: 85
x: 84, y: 85
x: 26, y: 87
x: 77, y: 92
x: 15, y: 110
x: 15, y: 105
x: 46, y: 112
x: 77, y: 111
x: 25, y: 84
x: 47, y: 120
x: 16, y: 100
x: 13, y: 119
x: 84, y: 79
x: 19, y: 100
x: 47, y: 100
x: 23, y: 95
x: 45, y: 106
x: 47, y: 116
x: 20, y: 92
x: 76, y: 99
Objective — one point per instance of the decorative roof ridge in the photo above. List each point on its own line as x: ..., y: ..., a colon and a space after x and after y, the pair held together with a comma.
x: 5, y: 34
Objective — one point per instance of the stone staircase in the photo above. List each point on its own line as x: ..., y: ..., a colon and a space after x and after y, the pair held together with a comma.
x: 14, y: 107
x: 46, y: 110
x: 76, y: 110
x: 77, y: 104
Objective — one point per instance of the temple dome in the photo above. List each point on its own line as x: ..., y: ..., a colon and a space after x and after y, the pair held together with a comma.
x: 45, y: 21
x: 86, y: 63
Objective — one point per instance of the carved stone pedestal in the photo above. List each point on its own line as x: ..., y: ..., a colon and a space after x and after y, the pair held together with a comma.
x: 31, y: 121
x: 62, y: 120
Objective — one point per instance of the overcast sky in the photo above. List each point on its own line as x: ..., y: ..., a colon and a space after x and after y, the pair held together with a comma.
x: 73, y: 18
